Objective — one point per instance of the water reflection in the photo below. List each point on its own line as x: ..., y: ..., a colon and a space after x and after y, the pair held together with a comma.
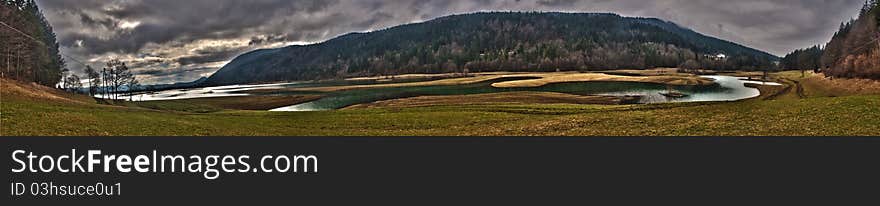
x: 728, y: 88
x: 204, y: 92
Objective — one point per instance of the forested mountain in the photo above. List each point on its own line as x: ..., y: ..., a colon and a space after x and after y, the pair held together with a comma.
x: 854, y: 51
x: 28, y: 45
x: 496, y: 41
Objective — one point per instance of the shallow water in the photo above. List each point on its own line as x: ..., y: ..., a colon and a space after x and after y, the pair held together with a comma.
x: 241, y: 90
x: 760, y: 82
x: 727, y: 88
x: 205, y: 92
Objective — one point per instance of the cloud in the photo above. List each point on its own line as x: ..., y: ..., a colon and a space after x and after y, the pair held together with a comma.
x: 174, y: 35
x: 557, y: 3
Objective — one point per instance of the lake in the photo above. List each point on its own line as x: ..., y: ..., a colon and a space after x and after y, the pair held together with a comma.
x: 727, y: 88
x: 241, y: 90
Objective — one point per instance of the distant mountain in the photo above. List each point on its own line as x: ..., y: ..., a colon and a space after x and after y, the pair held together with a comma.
x: 496, y: 41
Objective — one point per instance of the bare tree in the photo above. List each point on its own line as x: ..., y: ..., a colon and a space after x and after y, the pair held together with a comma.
x: 116, y: 77
x: 131, y: 86
x: 103, y: 86
x: 93, y: 80
x: 63, y: 82
x: 689, y: 66
x: 72, y: 83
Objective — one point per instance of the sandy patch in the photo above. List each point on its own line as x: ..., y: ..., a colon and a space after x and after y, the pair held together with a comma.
x: 550, y: 78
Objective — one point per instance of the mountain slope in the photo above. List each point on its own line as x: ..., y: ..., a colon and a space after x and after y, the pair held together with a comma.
x: 854, y: 51
x: 497, y: 41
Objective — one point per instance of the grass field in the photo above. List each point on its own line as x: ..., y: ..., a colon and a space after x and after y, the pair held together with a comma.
x: 34, y: 111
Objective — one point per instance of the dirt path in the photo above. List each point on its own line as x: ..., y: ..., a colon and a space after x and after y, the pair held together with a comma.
x: 792, y: 88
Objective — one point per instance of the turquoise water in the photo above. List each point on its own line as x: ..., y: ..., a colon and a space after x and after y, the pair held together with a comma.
x: 727, y: 88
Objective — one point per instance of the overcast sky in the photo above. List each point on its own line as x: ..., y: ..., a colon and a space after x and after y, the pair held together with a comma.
x: 181, y: 40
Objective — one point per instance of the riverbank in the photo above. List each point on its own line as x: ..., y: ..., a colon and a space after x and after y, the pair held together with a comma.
x: 38, y: 111
x: 550, y: 78
x: 539, y: 79
x: 529, y: 97
x: 234, y: 103
x: 496, y: 98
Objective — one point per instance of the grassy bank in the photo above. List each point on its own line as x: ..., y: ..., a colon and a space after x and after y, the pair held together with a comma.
x: 33, y: 111
x: 213, y: 104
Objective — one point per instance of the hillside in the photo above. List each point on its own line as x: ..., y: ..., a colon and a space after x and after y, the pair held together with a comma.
x: 497, y: 41
x: 854, y: 51
x: 14, y: 89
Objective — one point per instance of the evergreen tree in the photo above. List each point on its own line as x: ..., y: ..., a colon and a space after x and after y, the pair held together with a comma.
x: 31, y: 52
x: 854, y: 51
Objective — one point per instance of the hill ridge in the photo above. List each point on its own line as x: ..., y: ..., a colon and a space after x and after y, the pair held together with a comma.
x: 494, y: 41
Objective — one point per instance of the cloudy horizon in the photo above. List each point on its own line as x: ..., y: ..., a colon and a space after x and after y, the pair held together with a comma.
x: 168, y: 41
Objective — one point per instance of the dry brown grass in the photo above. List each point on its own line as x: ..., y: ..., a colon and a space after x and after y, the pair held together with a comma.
x: 34, y: 91
x: 821, y: 86
x: 550, y: 78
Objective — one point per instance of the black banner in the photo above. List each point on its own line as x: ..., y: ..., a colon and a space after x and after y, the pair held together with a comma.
x: 457, y: 170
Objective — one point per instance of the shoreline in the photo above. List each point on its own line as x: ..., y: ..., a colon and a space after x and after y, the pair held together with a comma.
x: 543, y: 78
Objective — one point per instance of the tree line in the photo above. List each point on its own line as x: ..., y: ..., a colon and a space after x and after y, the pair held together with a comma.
x: 542, y: 42
x: 29, y: 48
x: 497, y: 41
x: 804, y: 59
x: 30, y: 53
x: 854, y: 50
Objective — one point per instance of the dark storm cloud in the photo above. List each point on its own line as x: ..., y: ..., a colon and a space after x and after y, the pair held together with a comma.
x: 210, y: 54
x: 257, y: 40
x: 168, y: 72
x: 162, y: 21
x: 175, y: 35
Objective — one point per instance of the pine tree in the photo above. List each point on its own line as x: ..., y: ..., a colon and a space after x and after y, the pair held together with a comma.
x: 32, y: 52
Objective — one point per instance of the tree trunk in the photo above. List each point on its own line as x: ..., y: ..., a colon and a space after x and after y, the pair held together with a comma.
x: 8, y: 54
x: 17, y: 63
